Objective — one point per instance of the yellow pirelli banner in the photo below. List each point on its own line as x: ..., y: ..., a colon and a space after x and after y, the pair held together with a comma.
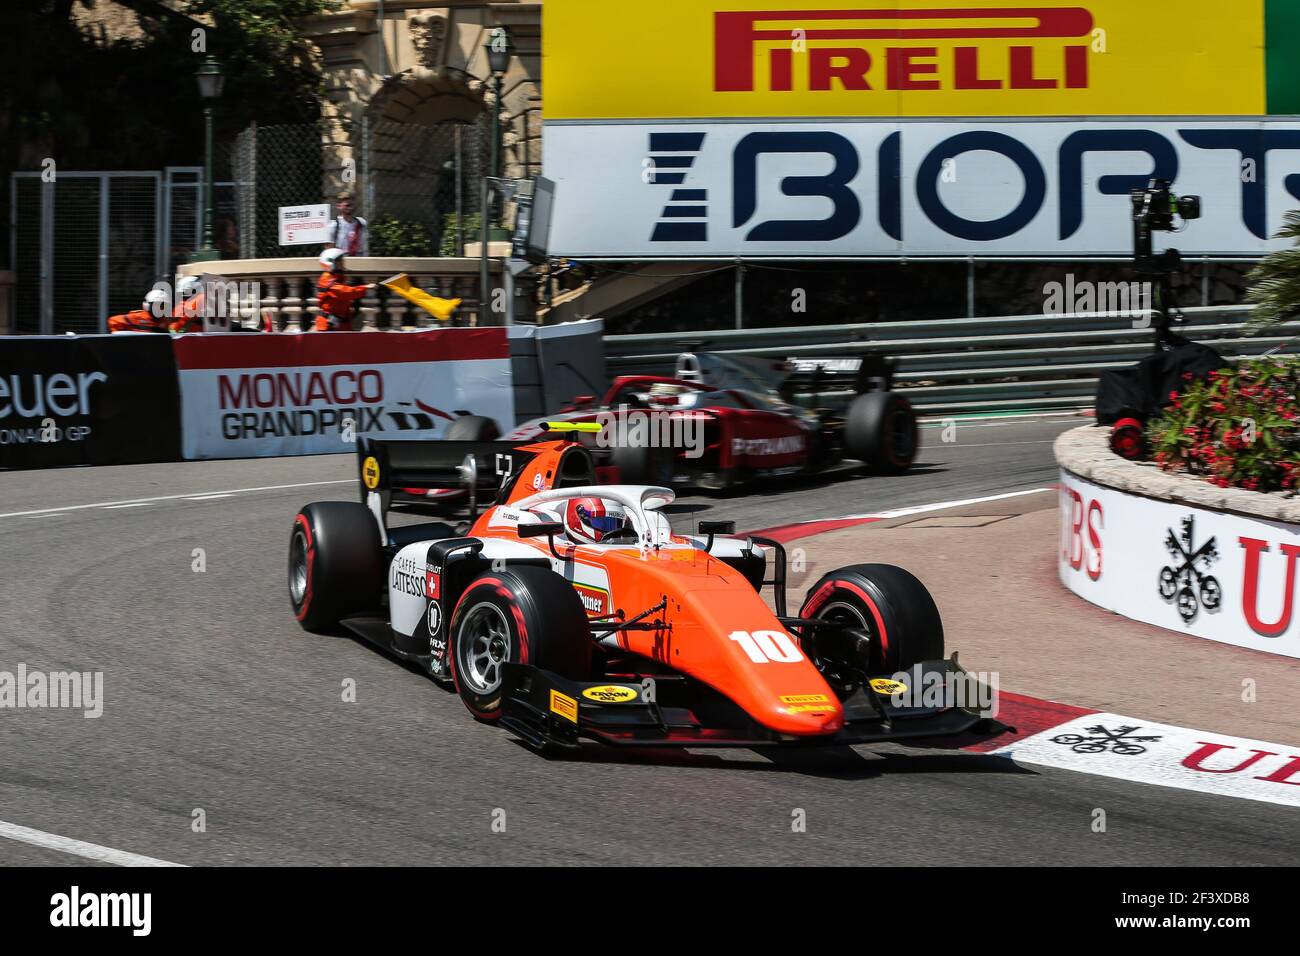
x: 680, y: 59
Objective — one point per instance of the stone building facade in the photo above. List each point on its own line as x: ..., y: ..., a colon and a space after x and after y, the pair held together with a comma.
x: 393, y: 66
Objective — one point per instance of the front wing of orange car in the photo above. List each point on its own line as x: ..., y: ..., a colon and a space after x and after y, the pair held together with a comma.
x: 551, y: 713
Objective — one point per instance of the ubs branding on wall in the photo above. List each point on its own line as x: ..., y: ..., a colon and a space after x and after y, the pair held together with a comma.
x: 1220, y: 576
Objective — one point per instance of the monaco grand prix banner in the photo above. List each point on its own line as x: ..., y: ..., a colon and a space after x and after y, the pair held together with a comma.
x: 916, y: 127
x: 1219, y: 576
x: 246, y: 396
x: 87, y: 400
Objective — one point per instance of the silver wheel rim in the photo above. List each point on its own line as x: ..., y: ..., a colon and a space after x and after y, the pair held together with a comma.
x: 482, y: 646
x: 298, y: 567
x: 845, y: 613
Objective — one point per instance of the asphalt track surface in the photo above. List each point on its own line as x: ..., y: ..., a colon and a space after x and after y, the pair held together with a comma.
x: 215, y: 700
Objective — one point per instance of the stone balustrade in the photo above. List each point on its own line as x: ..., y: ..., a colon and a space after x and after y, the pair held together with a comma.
x: 286, y: 289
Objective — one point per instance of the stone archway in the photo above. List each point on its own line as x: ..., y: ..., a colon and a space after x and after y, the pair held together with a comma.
x: 424, y: 141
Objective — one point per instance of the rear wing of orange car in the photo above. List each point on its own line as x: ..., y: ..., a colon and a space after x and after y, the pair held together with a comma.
x: 437, y: 476
x: 464, y: 477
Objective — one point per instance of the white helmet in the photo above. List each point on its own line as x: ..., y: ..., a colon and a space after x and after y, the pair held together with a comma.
x: 157, y: 301
x: 330, y: 258
x: 666, y: 393
x: 188, y: 286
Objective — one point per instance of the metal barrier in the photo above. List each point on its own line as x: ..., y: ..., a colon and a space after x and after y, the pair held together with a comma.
x: 84, y: 246
x: 969, y: 365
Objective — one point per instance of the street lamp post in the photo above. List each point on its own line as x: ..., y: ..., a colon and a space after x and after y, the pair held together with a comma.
x: 499, y: 51
x: 211, y: 81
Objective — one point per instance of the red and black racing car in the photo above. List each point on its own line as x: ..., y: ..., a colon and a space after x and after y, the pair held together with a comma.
x: 721, y: 420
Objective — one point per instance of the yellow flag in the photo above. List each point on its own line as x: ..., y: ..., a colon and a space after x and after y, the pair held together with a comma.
x: 440, y: 309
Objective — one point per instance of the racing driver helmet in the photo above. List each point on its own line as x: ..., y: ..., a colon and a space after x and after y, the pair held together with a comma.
x: 595, y: 520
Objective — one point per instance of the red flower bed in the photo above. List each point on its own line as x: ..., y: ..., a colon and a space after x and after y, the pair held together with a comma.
x: 1240, y: 428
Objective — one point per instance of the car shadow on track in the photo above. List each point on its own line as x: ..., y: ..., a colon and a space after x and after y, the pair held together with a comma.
x: 833, y: 763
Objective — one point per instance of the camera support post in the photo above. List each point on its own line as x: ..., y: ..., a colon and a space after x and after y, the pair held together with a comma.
x: 1154, y: 210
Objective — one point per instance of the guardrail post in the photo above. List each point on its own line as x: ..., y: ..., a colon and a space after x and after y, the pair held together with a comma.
x: 970, y: 288
x: 740, y: 293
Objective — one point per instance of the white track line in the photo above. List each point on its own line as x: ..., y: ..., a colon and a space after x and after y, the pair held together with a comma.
x: 89, y: 851
x: 224, y: 494
x: 136, y: 504
x: 1009, y: 418
x: 190, y: 495
x: 988, y: 444
x: 943, y: 505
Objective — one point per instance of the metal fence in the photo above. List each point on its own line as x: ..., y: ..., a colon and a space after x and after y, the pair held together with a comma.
x: 424, y: 177
x: 274, y: 166
x: 182, y: 223
x: 84, y: 245
x: 969, y: 365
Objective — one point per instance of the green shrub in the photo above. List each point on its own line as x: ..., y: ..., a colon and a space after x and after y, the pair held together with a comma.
x: 400, y: 238
x: 471, y: 233
x: 1275, y: 281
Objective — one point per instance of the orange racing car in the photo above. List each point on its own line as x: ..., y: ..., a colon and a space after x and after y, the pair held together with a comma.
x: 568, y: 609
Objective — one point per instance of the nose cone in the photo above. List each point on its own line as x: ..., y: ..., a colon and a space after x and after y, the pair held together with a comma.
x: 804, y: 715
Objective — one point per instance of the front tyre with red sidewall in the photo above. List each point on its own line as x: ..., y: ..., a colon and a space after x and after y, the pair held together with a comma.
x: 522, y: 615
x: 887, y: 602
x: 335, y: 564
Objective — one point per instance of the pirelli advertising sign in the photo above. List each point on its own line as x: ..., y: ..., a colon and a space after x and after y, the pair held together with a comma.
x: 676, y: 59
x: 720, y: 128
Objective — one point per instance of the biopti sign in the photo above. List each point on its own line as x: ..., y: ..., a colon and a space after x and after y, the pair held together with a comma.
x: 819, y: 128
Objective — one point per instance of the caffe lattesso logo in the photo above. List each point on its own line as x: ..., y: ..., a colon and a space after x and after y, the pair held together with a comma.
x: 75, y: 909
x: 1187, y: 580
x: 23, y: 689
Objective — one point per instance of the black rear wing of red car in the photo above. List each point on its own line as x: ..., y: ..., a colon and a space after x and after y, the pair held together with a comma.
x: 813, y: 375
x: 801, y: 377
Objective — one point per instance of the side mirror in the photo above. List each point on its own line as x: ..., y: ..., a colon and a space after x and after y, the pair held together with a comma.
x: 716, y: 527
x: 544, y: 529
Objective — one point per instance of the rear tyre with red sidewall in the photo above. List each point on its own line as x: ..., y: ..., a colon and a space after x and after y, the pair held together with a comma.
x: 335, y: 564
